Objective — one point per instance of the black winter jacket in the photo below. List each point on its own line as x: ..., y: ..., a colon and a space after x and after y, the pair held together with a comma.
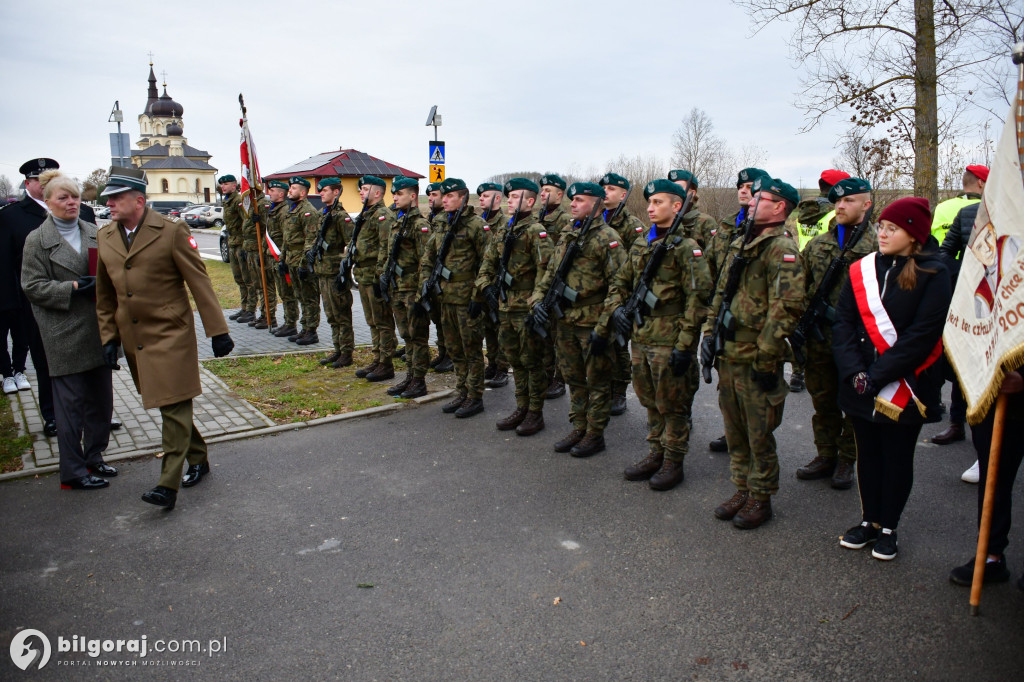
x: 959, y: 233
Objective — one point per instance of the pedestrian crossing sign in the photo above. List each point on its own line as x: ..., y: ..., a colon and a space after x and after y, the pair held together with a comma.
x: 437, y: 153
x: 436, y: 173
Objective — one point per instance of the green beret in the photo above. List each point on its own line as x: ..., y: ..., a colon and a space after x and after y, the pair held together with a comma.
x: 521, y: 183
x: 553, y: 180
x: 227, y: 178
x: 614, y: 179
x: 848, y: 186
x: 684, y: 176
x: 778, y: 188
x: 402, y: 182
x: 372, y: 180
x: 660, y: 186
x: 328, y: 182
x: 280, y: 184
x: 488, y: 187
x: 452, y: 185
x: 433, y: 187
x: 586, y: 189
x: 750, y: 175
x: 297, y: 180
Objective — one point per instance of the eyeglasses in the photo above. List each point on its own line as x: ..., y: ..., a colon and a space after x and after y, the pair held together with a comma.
x: 887, y: 229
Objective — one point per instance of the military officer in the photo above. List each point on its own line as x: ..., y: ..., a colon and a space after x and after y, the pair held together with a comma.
x: 489, y: 200
x: 231, y: 200
x: 553, y: 218
x: 517, y: 255
x: 436, y: 218
x: 751, y: 392
x: 144, y: 262
x: 833, y: 432
x: 325, y: 256
x: 586, y: 359
x: 261, y: 266
x: 463, y: 334
x: 301, y: 225
x: 276, y: 190
x: 665, y: 375
x: 406, y: 243
x: 697, y: 225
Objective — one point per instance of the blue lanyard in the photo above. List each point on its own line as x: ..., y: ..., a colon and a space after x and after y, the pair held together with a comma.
x: 841, y: 233
x: 741, y: 216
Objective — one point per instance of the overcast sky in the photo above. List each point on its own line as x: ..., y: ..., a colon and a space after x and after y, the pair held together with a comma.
x: 544, y: 86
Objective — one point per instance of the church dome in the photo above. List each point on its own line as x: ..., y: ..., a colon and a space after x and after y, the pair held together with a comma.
x: 174, y: 130
x: 165, y: 106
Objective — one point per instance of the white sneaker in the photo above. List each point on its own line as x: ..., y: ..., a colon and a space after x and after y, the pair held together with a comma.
x: 9, y: 385
x: 22, y: 381
x: 972, y: 474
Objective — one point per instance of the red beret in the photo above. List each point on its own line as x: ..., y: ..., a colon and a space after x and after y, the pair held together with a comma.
x: 832, y: 176
x: 912, y: 214
x: 980, y: 172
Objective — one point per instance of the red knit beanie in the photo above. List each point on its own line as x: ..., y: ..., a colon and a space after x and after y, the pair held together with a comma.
x: 912, y: 214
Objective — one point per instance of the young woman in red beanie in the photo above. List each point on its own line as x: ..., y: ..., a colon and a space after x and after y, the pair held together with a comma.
x: 886, y: 340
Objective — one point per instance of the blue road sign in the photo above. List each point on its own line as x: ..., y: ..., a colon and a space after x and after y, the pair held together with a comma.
x: 437, y: 153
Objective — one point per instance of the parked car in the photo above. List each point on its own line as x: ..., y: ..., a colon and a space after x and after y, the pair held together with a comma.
x: 166, y: 207
x: 213, y: 215
x: 194, y: 216
x: 224, y: 251
x: 101, y: 212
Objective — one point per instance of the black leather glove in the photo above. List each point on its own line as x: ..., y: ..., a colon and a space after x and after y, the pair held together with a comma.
x: 766, y: 381
x: 385, y: 284
x: 377, y: 291
x: 707, y: 351
x: 303, y: 273
x: 339, y: 283
x: 86, y: 286
x: 222, y: 345
x: 598, y: 344
x: 475, y: 309
x: 243, y: 256
x: 623, y: 325
x: 679, y: 361
x: 311, y: 258
x: 540, y: 316
x: 491, y: 294
x: 110, y: 354
x: 282, y: 268
x: 863, y: 384
x: 418, y: 309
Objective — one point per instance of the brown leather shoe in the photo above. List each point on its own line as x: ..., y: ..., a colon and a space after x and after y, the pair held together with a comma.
x: 417, y: 387
x: 308, y: 339
x: 331, y: 359
x: 344, y: 360
x: 618, y: 404
x: 842, y: 479
x: 590, y: 445
x: 753, y: 514
x: 399, y: 388
x: 556, y: 389
x: 363, y: 371
x: 534, y: 423
x: 954, y: 433
x: 285, y: 331
x: 513, y: 420
x: 728, y: 509
x: 645, y: 468
x: 819, y: 467
x: 669, y: 475
x: 499, y: 379
x: 470, y: 407
x: 384, y: 371
x: 490, y: 371
x: 570, y: 441
x: 454, y: 404
x: 718, y: 445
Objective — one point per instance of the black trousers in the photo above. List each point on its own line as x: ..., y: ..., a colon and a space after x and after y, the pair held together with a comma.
x: 1009, y: 463
x: 83, y: 403
x: 11, y: 324
x: 35, y: 348
x: 885, y: 468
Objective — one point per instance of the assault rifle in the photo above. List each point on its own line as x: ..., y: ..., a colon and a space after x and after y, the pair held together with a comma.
x: 392, y: 267
x: 320, y: 246
x: 642, y: 297
x: 432, y: 285
x: 503, y: 280
x: 344, y: 278
x: 819, y: 308
x: 620, y: 208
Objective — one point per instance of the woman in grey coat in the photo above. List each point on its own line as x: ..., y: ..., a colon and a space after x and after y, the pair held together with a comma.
x: 56, y: 280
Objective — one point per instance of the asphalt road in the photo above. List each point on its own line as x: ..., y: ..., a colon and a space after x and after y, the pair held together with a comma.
x: 494, y: 558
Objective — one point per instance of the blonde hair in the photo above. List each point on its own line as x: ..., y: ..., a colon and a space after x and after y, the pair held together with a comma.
x: 53, y: 181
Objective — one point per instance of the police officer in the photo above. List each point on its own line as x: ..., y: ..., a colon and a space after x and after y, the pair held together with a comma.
x: 371, y: 255
x: 463, y: 334
x: 665, y: 375
x: 751, y: 393
x: 554, y: 218
x: 326, y: 255
x: 517, y: 255
x: 833, y: 432
x: 489, y: 200
x: 973, y: 180
x: 276, y: 190
x: 443, y: 362
x: 231, y: 200
x: 697, y: 225
x: 301, y: 225
x: 586, y: 360
x: 254, y: 241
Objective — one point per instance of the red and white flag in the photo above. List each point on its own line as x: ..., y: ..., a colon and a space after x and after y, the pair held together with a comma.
x: 273, y: 248
x: 250, y: 167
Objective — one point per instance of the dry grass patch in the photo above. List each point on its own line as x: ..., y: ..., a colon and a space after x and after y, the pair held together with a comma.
x: 12, y: 446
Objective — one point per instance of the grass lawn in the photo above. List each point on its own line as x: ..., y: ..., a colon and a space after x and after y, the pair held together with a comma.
x: 223, y: 284
x: 12, y: 446
x: 294, y: 388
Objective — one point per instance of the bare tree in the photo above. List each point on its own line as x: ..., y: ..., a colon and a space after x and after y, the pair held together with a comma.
x: 94, y: 181
x: 6, y: 188
x: 699, y: 150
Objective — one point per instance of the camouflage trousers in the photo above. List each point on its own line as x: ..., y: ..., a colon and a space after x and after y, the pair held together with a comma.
x: 668, y: 399
x: 435, y: 318
x: 338, y: 308
x: 307, y: 291
x: 524, y: 351
x: 495, y: 350
x: 751, y: 417
x: 381, y: 321
x: 288, y: 296
x: 622, y: 372
x: 415, y: 331
x: 464, y: 338
x: 252, y: 258
x: 550, y: 361
x: 833, y: 431
x: 243, y: 278
x: 588, y: 376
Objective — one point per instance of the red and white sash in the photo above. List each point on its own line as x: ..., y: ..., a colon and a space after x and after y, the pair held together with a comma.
x: 895, y: 396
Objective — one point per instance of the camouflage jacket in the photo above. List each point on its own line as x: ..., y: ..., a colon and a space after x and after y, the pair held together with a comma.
x: 768, y: 302
x: 415, y: 233
x: 336, y: 236
x: 700, y: 227
x: 372, y: 244
x: 626, y: 225
x: 463, y: 258
x: 718, y: 246
x: 437, y: 221
x: 590, y: 276
x: 275, y: 224
x: 554, y: 222
x: 249, y: 235
x: 530, y: 253
x: 233, y: 217
x: 496, y: 220
x: 817, y: 255
x: 301, y: 223
x: 682, y: 285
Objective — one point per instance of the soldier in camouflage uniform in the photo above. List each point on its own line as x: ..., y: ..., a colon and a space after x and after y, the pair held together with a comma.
x: 371, y: 254
x: 529, y: 250
x: 628, y: 227
x: 697, y: 225
x: 301, y: 224
x: 411, y: 232
x: 232, y: 202
x: 586, y: 359
x: 554, y: 218
x: 254, y: 241
x: 443, y: 362
x: 463, y: 334
x: 326, y: 264
x: 276, y: 190
x: 833, y: 432
x: 664, y: 348
x: 751, y: 393
x: 496, y: 372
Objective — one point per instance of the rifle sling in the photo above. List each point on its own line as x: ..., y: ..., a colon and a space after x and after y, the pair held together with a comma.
x: 593, y: 299
x: 677, y: 308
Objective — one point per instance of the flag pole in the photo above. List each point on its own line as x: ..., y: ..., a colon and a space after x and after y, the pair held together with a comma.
x: 256, y: 219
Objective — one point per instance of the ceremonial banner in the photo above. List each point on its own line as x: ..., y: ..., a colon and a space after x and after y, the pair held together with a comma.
x: 250, y: 167
x: 984, y: 333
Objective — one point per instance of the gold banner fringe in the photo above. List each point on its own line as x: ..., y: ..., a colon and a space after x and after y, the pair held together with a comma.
x: 1011, y: 361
